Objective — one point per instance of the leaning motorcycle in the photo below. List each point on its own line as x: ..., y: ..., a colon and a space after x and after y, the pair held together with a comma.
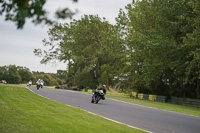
x: 38, y: 85
x: 98, y: 96
x: 41, y: 85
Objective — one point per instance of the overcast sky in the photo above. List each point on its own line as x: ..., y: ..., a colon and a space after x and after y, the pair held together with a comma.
x: 16, y: 46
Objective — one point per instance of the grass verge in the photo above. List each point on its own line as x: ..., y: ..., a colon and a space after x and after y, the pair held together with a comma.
x: 22, y: 111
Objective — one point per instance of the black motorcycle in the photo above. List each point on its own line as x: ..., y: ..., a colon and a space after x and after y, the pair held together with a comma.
x: 98, y: 96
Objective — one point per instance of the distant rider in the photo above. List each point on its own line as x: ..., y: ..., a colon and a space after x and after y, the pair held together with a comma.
x: 104, y: 91
x: 30, y: 83
x: 39, y: 82
x: 42, y: 83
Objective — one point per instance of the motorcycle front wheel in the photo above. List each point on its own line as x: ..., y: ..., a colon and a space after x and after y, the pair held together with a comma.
x: 92, y: 101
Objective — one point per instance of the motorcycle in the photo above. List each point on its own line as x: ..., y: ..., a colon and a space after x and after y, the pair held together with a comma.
x: 41, y: 85
x: 38, y: 85
x: 28, y: 85
x: 98, y: 96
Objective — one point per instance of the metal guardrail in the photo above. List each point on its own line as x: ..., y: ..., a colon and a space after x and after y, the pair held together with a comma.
x: 148, y: 97
x: 185, y: 101
x: 174, y: 100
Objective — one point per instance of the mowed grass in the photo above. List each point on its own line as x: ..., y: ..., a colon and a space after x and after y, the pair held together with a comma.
x: 159, y: 105
x: 22, y: 111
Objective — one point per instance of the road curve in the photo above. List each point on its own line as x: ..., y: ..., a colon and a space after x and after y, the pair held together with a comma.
x: 149, y: 119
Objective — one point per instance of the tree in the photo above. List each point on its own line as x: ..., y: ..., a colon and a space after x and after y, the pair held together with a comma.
x: 191, y: 45
x: 13, y: 76
x: 25, y: 74
x: 86, y: 45
x: 18, y: 11
x: 62, y: 74
x: 48, y: 80
x: 3, y: 72
x: 161, y: 38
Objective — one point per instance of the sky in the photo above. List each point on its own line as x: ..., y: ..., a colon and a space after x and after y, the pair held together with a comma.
x: 17, y: 46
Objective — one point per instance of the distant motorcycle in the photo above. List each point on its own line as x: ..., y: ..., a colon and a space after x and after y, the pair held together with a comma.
x: 41, y: 84
x: 28, y: 85
x: 98, y: 96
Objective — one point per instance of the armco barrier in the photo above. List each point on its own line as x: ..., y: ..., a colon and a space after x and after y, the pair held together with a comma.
x: 140, y: 95
x: 175, y: 100
x: 185, y: 101
x: 90, y: 90
x: 134, y: 94
x: 152, y: 97
x: 87, y: 90
x: 160, y: 98
x: 148, y: 97
x: 145, y: 97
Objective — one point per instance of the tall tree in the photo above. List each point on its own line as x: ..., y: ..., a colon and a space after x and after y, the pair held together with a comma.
x: 159, y: 38
x: 87, y: 45
x: 191, y: 45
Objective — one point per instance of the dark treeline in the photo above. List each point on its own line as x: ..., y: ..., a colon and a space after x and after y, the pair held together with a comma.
x: 154, y: 48
x: 18, y: 74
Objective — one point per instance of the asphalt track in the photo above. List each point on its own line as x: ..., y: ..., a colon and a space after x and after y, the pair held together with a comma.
x: 145, y: 118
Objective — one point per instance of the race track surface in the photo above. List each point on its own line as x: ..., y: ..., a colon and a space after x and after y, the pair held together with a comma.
x: 145, y: 118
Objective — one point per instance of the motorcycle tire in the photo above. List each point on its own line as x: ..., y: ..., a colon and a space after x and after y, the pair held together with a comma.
x: 97, y: 100
x: 92, y: 101
x: 38, y: 87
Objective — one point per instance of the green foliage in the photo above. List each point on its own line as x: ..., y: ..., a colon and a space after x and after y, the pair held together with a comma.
x: 18, y: 11
x: 49, y: 79
x: 153, y: 48
x: 86, y: 45
x: 159, y: 38
x: 10, y: 74
x: 25, y: 74
x: 17, y: 74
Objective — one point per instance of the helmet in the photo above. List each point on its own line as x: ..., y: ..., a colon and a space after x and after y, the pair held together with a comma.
x: 104, y: 86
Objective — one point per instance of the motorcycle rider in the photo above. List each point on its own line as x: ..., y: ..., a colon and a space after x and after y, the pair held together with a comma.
x: 38, y: 82
x: 42, y: 83
x: 104, y: 91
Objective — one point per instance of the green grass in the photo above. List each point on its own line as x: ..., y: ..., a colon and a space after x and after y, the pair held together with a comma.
x: 159, y: 105
x: 22, y: 111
